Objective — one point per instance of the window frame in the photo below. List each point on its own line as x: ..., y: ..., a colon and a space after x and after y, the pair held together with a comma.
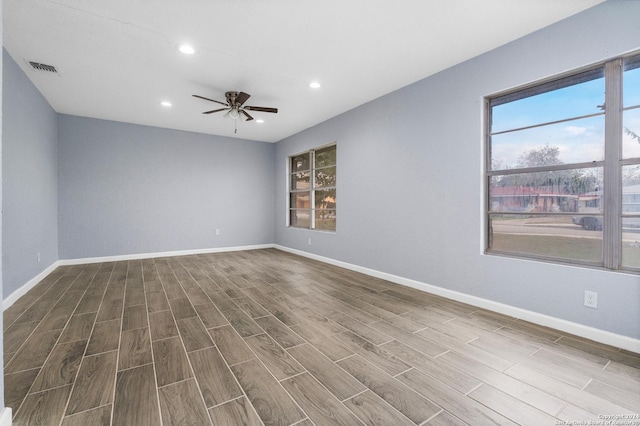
x: 612, y: 164
x: 312, y: 188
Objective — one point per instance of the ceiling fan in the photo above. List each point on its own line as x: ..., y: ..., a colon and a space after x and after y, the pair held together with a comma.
x: 235, y: 106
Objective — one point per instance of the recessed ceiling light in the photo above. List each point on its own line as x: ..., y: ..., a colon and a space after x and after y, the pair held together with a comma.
x: 186, y: 49
x: 165, y: 103
x: 259, y: 120
x: 314, y: 85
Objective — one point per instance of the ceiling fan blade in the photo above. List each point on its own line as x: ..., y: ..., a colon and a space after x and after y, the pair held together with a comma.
x: 212, y: 100
x: 261, y: 109
x: 249, y: 118
x: 215, y: 110
x: 242, y: 98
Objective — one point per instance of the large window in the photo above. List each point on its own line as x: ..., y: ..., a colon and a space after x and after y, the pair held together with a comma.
x: 563, y: 168
x: 312, y: 189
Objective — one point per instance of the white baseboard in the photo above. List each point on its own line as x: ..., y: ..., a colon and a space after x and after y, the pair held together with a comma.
x: 11, y: 299
x: 587, y: 332
x: 5, y: 418
x: 160, y: 254
x: 21, y: 291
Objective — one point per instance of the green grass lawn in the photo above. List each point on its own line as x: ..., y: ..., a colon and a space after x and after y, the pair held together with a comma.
x: 587, y: 249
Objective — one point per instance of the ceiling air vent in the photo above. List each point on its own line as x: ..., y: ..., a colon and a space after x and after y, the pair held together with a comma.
x: 43, y: 67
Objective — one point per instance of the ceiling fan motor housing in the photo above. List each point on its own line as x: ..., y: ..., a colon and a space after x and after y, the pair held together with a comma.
x: 231, y: 98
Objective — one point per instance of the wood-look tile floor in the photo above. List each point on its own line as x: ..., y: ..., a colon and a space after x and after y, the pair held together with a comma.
x: 266, y: 337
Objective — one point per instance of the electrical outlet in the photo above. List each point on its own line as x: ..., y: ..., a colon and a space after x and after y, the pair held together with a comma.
x: 590, y: 299
x: 309, y: 241
x: 38, y: 257
x: 217, y: 232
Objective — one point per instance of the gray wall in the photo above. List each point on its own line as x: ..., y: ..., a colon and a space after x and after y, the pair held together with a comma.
x: 131, y: 189
x: 29, y: 180
x: 410, y: 193
x: 1, y: 171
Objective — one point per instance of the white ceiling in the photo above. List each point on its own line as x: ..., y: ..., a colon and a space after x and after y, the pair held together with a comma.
x: 118, y: 59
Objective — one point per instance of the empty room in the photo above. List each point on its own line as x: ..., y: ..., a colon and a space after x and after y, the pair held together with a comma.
x: 320, y: 213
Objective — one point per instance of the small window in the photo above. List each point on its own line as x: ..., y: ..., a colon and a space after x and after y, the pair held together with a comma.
x: 563, y: 168
x: 312, y: 189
